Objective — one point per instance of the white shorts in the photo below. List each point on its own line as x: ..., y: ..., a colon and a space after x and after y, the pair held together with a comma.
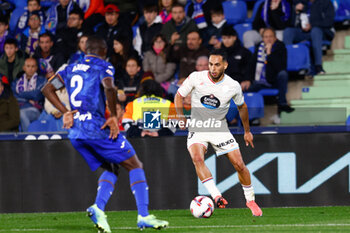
x: 222, y: 142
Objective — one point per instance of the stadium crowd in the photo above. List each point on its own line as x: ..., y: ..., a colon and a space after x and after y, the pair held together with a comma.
x: 163, y: 41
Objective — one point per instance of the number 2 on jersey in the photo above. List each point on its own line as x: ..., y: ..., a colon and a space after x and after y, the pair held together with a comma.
x: 76, y: 81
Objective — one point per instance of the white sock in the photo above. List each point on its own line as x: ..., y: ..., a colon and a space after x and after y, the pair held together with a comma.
x: 211, y: 187
x: 248, y: 192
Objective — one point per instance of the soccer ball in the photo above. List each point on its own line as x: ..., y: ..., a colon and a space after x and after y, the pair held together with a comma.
x: 202, y: 207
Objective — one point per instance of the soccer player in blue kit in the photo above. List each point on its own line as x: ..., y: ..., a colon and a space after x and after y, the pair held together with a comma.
x: 89, y: 84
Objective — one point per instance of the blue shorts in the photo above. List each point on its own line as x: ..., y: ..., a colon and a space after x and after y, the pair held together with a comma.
x: 98, y: 151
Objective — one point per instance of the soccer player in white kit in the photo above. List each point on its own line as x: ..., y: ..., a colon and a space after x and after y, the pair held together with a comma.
x: 211, y: 93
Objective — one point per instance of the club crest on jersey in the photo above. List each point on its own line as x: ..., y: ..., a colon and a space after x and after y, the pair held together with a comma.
x: 109, y: 72
x: 210, y: 101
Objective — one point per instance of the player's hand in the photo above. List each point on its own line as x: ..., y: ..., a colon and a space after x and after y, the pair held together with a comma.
x: 57, y: 114
x: 248, y: 138
x: 175, y: 36
x: 268, y: 48
x: 307, y: 28
x: 68, y: 119
x: 112, y: 123
x: 245, y: 85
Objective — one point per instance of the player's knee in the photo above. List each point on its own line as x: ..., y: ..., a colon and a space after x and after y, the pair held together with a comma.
x: 197, y: 158
x: 240, y: 166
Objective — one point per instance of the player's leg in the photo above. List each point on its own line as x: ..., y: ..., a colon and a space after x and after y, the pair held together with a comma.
x: 197, y: 152
x: 236, y: 160
x: 97, y: 215
x: 139, y: 187
x: 106, y: 184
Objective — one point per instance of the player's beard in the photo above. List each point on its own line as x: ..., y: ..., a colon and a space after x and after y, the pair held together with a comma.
x: 217, y: 77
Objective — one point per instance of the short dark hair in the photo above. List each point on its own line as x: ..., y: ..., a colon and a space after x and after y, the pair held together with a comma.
x: 134, y: 59
x: 32, y: 58
x: 150, y: 87
x: 219, y: 52
x: 11, y: 41
x: 228, y: 31
x: 46, y: 34
x: 161, y: 36
x: 77, y: 11
x: 4, y: 19
x: 95, y: 44
x: 195, y: 31
x: 217, y: 10
x: 269, y: 29
x: 150, y: 8
x: 176, y: 4
x: 38, y: 1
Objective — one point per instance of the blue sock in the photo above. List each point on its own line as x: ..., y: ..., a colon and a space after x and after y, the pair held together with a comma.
x: 105, y: 188
x: 139, y: 188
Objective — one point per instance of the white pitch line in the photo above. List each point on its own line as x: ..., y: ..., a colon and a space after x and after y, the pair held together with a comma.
x: 200, y: 227
x: 15, y: 230
x: 247, y: 226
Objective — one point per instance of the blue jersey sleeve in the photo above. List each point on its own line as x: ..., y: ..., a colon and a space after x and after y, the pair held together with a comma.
x: 107, y: 72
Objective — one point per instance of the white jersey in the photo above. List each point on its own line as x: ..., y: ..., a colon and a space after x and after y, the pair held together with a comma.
x: 210, y: 99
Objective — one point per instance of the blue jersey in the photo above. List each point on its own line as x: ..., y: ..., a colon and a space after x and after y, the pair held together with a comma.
x: 83, y: 82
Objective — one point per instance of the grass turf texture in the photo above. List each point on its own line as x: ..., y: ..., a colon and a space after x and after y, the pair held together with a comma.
x: 308, y: 219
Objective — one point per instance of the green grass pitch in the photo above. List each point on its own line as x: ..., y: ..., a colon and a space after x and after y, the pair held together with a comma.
x: 308, y: 219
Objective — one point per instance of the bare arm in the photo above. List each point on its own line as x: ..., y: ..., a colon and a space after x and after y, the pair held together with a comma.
x: 243, y: 113
x: 49, y: 92
x: 178, y: 101
x: 111, y: 95
x: 112, y: 121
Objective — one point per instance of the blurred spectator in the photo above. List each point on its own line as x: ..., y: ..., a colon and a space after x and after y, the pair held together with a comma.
x: 212, y: 37
x: 176, y: 30
x: 122, y: 51
x: 268, y: 68
x: 80, y: 54
x: 51, y: 115
x: 48, y: 59
x: 187, y: 55
x: 128, y: 10
x: 238, y: 57
x: 148, y: 30
x: 28, y: 39
x: 165, y: 9
x: 57, y: 15
x: 130, y: 81
x: 67, y: 38
x: 12, y: 61
x: 272, y: 13
x: 120, y: 112
x: 312, y: 21
x: 155, y: 60
x: 27, y: 90
x: 202, y: 63
x: 112, y: 27
x: 9, y: 110
x: 22, y: 24
x: 95, y: 7
x: 150, y: 100
x: 4, y: 32
x: 199, y: 11
x: 93, y: 16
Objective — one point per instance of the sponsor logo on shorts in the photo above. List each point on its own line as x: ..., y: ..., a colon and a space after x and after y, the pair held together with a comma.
x: 225, y: 143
